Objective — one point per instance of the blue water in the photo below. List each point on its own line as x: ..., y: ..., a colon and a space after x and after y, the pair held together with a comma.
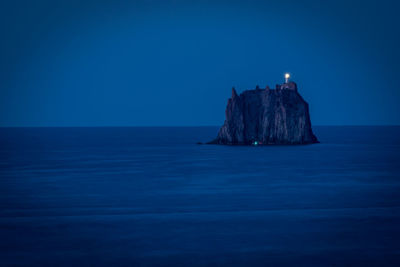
x: 152, y: 197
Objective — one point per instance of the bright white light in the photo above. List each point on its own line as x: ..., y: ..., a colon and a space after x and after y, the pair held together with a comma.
x: 287, y: 75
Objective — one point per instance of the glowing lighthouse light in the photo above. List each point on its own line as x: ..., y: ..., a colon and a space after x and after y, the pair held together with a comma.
x: 287, y: 76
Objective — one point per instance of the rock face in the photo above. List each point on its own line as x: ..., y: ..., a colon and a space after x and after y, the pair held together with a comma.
x: 267, y: 117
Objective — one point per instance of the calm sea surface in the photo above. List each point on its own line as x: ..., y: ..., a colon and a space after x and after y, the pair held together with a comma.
x: 151, y: 196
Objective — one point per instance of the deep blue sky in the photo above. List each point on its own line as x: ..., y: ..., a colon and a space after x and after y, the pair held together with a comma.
x: 134, y: 63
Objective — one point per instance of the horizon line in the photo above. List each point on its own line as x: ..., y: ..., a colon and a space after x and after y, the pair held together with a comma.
x: 188, y: 126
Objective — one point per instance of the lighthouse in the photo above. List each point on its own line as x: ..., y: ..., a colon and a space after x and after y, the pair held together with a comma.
x: 287, y: 76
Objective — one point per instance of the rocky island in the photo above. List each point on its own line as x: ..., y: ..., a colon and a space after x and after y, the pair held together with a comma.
x: 267, y: 116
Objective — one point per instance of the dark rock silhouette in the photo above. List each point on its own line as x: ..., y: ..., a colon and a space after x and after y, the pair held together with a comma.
x: 266, y: 117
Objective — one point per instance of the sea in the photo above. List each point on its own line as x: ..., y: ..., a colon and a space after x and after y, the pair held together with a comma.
x: 152, y: 196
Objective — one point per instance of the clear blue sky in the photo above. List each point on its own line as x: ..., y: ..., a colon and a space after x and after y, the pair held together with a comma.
x: 144, y: 63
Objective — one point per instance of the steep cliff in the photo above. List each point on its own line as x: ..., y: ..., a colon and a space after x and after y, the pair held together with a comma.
x: 267, y: 117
